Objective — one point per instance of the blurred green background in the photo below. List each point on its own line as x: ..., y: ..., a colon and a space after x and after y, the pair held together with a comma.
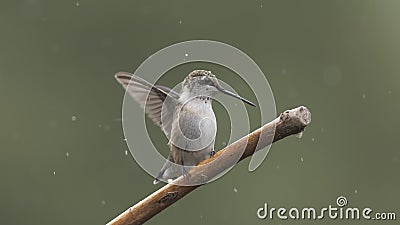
x: 62, y: 151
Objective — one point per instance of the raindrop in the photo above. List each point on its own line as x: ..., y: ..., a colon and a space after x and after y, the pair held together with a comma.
x: 54, y: 173
x: 103, y: 202
x: 389, y: 92
x: 186, y: 55
x: 67, y: 154
x: 355, y: 191
x: 73, y: 118
x: 77, y: 4
x: 180, y: 21
x: 364, y: 96
x: 126, y: 152
x: 312, y: 139
x: 299, y: 135
x: 301, y: 158
x: 235, y: 190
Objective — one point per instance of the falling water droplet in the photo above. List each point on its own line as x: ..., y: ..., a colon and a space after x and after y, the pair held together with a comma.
x: 67, y: 154
x: 299, y: 135
x: 54, y: 173
x: 126, y: 152
x: 301, y: 158
x: 235, y: 189
x: 77, y: 4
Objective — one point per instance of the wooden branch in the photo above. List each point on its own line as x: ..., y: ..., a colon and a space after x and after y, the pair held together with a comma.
x: 288, y: 123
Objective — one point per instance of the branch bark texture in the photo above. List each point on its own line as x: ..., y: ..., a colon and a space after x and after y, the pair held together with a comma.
x: 288, y: 123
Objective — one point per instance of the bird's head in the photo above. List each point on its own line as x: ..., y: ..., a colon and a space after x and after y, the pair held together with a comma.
x: 205, y: 83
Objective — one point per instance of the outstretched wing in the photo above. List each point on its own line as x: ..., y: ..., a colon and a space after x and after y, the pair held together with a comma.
x: 151, y: 98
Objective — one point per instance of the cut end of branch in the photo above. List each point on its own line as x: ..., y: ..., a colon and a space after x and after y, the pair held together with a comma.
x: 300, y: 116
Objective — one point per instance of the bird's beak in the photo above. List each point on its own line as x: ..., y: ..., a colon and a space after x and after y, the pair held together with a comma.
x: 235, y: 96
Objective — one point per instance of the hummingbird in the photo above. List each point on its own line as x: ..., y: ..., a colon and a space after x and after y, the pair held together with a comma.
x: 186, y: 118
